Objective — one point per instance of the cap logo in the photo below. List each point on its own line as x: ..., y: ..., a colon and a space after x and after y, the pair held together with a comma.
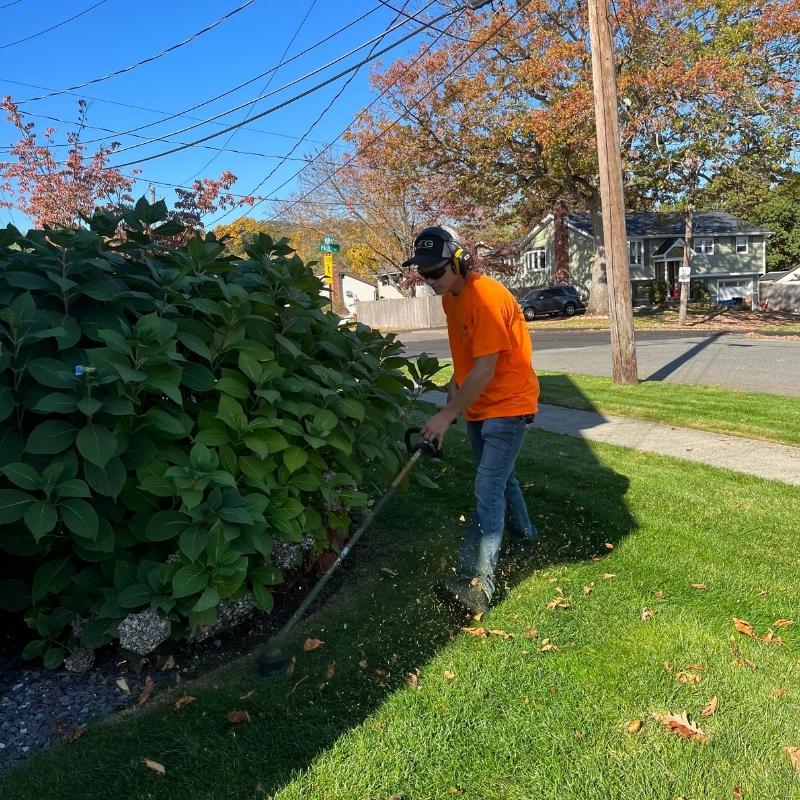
x: 428, y: 244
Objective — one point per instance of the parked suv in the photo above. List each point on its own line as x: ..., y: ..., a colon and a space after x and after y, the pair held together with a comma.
x: 548, y: 302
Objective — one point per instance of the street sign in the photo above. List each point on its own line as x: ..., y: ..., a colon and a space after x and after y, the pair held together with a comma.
x: 684, y: 274
x: 327, y: 264
x: 329, y: 248
x: 328, y: 240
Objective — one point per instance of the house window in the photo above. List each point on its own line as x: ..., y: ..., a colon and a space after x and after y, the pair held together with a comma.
x: 704, y: 247
x: 741, y: 244
x: 536, y: 260
x: 636, y: 252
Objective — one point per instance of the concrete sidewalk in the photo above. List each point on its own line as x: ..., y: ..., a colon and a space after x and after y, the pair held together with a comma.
x: 777, y: 462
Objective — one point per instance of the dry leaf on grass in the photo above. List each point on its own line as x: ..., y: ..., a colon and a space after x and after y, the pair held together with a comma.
x: 413, y: 678
x: 587, y: 589
x: 479, y: 616
x: 782, y: 623
x: 646, y: 614
x: 698, y: 586
x: 711, y: 708
x: 312, y: 644
x: 479, y: 632
x: 744, y: 627
x: 183, y: 700
x: 362, y: 664
x: 500, y: 633
x: 532, y: 634
x: 159, y: 769
x: 634, y: 726
x: 290, y: 668
x: 237, y: 717
x: 330, y: 670
x: 146, y: 692
x: 770, y: 638
x: 557, y: 602
x: 547, y: 646
x: 248, y: 695
x: 380, y: 673
x: 681, y: 725
x: 776, y: 693
x: 449, y: 675
x: 745, y: 662
x: 76, y: 733
x: 607, y: 576
x: 737, y: 793
x: 688, y: 678
x: 123, y: 684
x: 659, y: 594
x: 608, y: 546
x: 794, y: 757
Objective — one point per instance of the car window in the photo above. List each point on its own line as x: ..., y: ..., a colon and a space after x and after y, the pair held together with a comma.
x: 552, y: 293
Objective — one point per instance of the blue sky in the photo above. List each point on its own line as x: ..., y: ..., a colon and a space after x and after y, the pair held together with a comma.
x: 116, y: 34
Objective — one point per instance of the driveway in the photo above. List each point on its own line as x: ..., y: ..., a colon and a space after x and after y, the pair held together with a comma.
x: 744, y: 363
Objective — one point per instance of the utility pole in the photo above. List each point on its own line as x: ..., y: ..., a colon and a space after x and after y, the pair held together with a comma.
x: 684, y: 276
x: 152, y: 190
x: 623, y: 346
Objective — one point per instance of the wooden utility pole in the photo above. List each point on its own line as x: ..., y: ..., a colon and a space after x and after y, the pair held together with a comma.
x: 623, y: 347
x: 687, y: 267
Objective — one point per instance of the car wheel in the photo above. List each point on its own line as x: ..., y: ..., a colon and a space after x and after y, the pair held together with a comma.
x: 570, y: 309
x: 529, y: 313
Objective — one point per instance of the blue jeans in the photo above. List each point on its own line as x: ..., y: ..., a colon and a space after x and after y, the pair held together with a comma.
x: 496, y: 444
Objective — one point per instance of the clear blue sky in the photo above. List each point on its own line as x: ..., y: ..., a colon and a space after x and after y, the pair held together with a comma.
x: 116, y: 34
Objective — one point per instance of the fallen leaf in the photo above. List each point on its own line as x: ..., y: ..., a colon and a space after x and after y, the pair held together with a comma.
x: 312, y: 644
x: 563, y: 454
x: 76, y: 733
x: 380, y: 673
x: 744, y: 627
x: 237, y: 717
x: 688, y: 678
x: 146, y: 692
x: 532, y: 634
x: 659, y: 594
x: 413, y: 678
x: 607, y: 576
x: 737, y: 793
x: 693, y: 665
x: 745, y: 662
x: 763, y: 593
x: 479, y: 616
x: 608, y: 546
x: 290, y: 668
x: 770, y: 638
x: 455, y: 790
x: 330, y: 670
x: 667, y: 666
x: 462, y: 518
x: 698, y: 586
x: 248, y: 695
x: 502, y: 634
x: 480, y: 632
x: 634, y: 726
x: 547, y: 646
x: 169, y: 663
x: 123, y: 684
x: 587, y: 589
x: 783, y: 623
x: 683, y: 726
x: 449, y: 675
x: 362, y: 664
x: 646, y: 614
x: 794, y: 757
x: 776, y: 693
x: 159, y: 769
x: 557, y: 602
x: 184, y: 700
x: 711, y: 708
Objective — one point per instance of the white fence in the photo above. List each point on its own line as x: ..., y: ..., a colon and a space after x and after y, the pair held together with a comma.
x: 410, y: 313
x: 780, y: 297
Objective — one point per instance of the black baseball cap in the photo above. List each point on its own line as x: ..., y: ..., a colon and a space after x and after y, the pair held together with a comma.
x: 434, y: 247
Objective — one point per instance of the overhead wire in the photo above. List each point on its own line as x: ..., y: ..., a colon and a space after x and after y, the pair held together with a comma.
x: 311, y: 127
x: 413, y: 17
x: 384, y: 131
x: 285, y: 103
x: 52, y: 27
x: 144, y: 61
x: 264, y: 89
x: 12, y: 3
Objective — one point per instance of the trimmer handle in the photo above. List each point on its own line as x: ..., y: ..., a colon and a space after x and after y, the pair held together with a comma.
x: 422, y: 444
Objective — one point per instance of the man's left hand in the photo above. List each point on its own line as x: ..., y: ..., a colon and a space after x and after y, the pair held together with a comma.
x: 435, y: 428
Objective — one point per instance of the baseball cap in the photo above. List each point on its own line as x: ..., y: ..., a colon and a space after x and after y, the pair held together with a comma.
x: 433, y: 247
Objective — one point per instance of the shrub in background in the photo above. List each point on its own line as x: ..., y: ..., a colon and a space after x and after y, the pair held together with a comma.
x: 168, y: 416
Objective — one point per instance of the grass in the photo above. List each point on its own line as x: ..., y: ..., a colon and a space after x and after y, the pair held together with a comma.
x: 753, y: 415
x: 506, y: 718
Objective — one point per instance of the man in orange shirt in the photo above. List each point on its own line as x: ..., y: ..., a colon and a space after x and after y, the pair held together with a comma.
x: 496, y: 388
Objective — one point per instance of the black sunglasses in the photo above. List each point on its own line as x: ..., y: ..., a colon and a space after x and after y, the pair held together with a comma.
x: 433, y: 274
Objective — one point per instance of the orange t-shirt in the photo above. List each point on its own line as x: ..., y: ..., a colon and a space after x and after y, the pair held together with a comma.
x: 484, y: 318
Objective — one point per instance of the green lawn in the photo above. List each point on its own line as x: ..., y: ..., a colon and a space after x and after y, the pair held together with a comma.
x: 501, y: 718
x: 771, y: 417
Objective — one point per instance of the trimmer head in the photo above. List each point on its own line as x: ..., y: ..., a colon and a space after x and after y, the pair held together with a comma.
x: 273, y: 663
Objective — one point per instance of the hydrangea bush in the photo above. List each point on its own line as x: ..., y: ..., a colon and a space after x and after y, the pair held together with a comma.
x: 172, y: 421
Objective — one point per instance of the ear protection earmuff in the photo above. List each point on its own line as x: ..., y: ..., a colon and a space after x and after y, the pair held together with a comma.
x: 461, y: 261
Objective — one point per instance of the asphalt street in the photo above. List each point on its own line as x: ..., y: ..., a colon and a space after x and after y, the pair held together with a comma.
x: 733, y: 361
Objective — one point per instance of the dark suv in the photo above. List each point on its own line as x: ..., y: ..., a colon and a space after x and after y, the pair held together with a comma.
x: 548, y: 302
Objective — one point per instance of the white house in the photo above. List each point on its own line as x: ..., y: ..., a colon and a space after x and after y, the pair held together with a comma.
x: 353, y: 291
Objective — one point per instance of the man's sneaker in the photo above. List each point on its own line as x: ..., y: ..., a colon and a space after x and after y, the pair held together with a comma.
x: 469, y: 592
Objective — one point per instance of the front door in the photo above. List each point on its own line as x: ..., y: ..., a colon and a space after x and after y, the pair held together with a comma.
x: 673, y: 270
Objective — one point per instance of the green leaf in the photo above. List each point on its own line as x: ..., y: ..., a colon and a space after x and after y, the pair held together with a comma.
x: 250, y: 367
x: 209, y: 599
x: 35, y: 649
x: 352, y: 408
x: 197, y: 377
x: 108, y: 480
x: 6, y: 403
x: 13, y: 505
x: 269, y: 575
x: 135, y: 596
x: 56, y: 403
x: 295, y: 458
x: 164, y: 387
x: 80, y: 518
x: 214, y: 437
x: 195, y: 344
x: 41, y: 518
x: 231, y: 413
x: 53, y: 658
x: 325, y: 421
x: 51, y: 578
x: 166, y: 423
x: 264, y: 442
x: 15, y: 595
x: 165, y: 525
x: 193, y: 541
x: 52, y: 373
x: 97, y: 444
x: 51, y: 437
x: 263, y: 598
x: 189, y: 580
x: 233, y: 387
x: 89, y: 406
x: 74, y: 487
x: 22, y: 475
x: 289, y: 346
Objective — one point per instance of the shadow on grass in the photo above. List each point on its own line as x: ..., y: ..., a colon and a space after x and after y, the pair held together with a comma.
x: 384, y: 623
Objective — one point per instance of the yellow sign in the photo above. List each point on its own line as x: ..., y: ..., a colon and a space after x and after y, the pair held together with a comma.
x: 327, y: 263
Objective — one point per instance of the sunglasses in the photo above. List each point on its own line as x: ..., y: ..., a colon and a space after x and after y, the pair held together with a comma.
x: 432, y: 274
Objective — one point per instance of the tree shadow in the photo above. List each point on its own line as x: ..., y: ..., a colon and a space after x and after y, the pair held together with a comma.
x: 385, y: 622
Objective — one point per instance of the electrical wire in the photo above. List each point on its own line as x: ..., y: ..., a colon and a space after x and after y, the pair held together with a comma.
x: 264, y: 89
x: 285, y: 103
x: 415, y: 18
x: 186, y: 111
x: 148, y: 60
x: 12, y: 3
x: 383, y: 132
x: 52, y: 27
x: 311, y: 127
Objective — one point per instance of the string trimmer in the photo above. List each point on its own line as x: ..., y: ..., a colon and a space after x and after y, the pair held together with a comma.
x: 274, y: 662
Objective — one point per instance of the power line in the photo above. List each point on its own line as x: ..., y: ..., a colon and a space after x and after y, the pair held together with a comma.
x: 12, y: 3
x: 285, y: 103
x: 266, y: 86
x: 52, y: 27
x: 186, y: 111
x: 415, y: 18
x: 148, y: 60
x: 311, y: 127
x: 403, y: 114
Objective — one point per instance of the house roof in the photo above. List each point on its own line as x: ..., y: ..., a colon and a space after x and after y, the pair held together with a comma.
x: 775, y: 276
x: 667, y: 245
x: 673, y: 223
